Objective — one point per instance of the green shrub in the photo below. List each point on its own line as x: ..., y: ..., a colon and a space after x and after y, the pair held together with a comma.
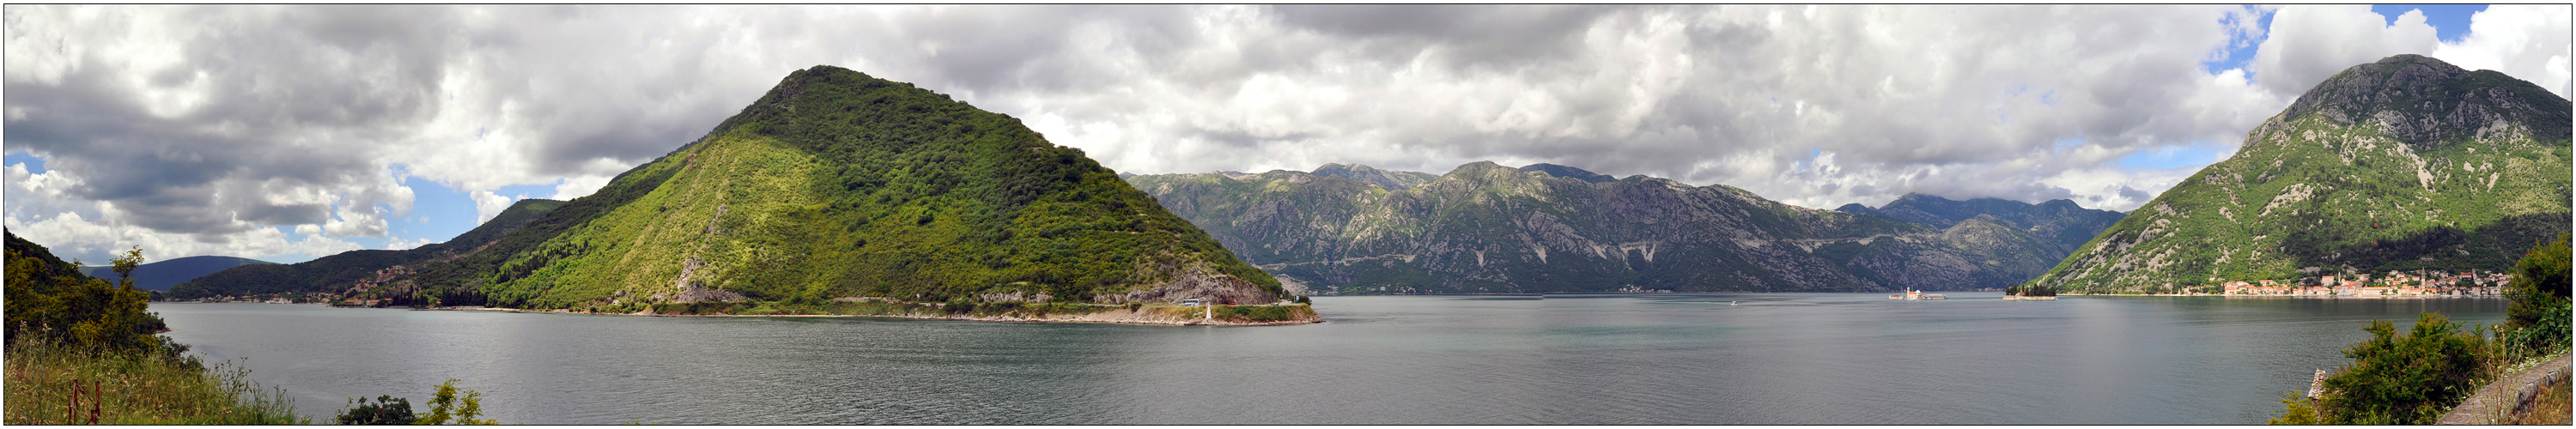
x: 2297, y: 409
x: 445, y: 407
x: 386, y: 410
x: 51, y: 299
x: 2407, y: 378
x: 1258, y: 313
x: 2537, y: 320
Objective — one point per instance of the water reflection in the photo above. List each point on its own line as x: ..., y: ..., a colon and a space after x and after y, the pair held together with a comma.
x: 1564, y: 359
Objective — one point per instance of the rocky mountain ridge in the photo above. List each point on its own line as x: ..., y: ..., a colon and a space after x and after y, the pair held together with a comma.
x: 1487, y: 228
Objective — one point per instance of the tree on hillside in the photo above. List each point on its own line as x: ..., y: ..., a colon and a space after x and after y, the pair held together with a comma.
x: 2538, y: 317
x: 2405, y: 378
x: 52, y: 300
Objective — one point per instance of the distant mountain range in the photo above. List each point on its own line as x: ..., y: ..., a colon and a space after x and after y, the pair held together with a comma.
x: 161, y: 275
x: 2061, y: 225
x: 2399, y: 164
x: 1486, y: 228
x: 337, y: 273
x: 837, y: 184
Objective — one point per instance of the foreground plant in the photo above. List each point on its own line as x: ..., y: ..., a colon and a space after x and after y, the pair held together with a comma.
x: 444, y: 408
x: 2416, y: 377
x: 52, y: 384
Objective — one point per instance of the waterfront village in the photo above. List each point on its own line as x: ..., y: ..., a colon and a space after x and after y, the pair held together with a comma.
x: 2423, y: 283
x: 362, y: 285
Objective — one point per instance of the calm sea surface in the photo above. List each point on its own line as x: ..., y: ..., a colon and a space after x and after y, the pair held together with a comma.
x: 1772, y: 358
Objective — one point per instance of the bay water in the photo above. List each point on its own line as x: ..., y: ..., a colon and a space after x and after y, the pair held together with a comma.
x: 1714, y: 358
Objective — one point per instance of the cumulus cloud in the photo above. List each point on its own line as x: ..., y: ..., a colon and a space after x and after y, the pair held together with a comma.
x: 1957, y: 101
x: 2311, y: 43
x: 488, y: 204
x: 2527, y: 41
x: 231, y: 126
x: 398, y: 243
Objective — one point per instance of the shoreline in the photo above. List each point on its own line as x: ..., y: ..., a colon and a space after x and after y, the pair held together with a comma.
x: 1160, y: 315
x: 2211, y: 295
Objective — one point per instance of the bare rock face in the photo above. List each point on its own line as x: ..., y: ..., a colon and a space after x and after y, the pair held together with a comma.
x: 1197, y: 282
x: 2421, y: 100
x: 1395, y: 180
x: 1486, y: 228
x: 689, y: 290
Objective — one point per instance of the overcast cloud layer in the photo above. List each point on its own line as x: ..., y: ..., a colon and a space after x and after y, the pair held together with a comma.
x: 253, y: 131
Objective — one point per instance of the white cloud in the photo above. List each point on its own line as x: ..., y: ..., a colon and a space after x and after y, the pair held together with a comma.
x: 72, y: 236
x: 2526, y: 41
x: 488, y: 204
x: 398, y: 243
x: 218, y: 125
x: 2310, y: 43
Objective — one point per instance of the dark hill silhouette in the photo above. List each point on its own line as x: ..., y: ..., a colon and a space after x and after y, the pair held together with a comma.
x: 161, y: 275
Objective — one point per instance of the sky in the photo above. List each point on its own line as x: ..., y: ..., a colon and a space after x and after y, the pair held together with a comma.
x: 286, y: 133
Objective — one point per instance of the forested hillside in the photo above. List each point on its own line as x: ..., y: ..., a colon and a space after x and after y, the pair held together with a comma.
x: 837, y: 184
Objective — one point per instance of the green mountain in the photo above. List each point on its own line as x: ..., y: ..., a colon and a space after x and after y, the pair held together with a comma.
x: 161, y: 275
x: 836, y: 184
x: 2399, y: 164
x: 1486, y: 228
x: 337, y: 273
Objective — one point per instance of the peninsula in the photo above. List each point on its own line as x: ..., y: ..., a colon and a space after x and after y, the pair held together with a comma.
x: 837, y: 193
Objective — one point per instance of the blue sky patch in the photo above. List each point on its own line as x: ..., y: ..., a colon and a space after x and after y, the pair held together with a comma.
x: 438, y: 213
x: 2240, y: 47
x: 2450, y: 21
x: 2194, y: 155
x: 35, y: 164
x: 2065, y: 144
